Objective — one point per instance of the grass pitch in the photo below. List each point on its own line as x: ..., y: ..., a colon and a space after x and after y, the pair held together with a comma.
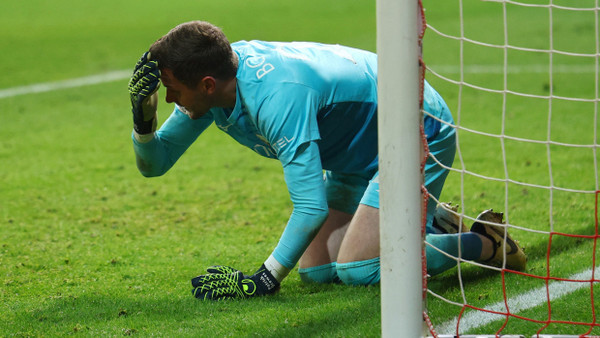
x: 90, y: 247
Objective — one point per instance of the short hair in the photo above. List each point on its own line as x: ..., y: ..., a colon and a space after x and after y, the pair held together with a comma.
x: 193, y: 50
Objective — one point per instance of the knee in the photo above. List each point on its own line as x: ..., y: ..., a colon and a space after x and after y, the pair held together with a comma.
x: 359, y: 272
x: 319, y: 274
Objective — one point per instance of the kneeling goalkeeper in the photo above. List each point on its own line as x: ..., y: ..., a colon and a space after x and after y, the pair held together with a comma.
x: 312, y: 107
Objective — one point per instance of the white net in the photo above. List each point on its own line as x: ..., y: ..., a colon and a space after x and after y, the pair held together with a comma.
x: 521, y: 79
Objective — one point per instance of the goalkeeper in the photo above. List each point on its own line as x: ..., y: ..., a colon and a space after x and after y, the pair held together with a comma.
x: 313, y: 107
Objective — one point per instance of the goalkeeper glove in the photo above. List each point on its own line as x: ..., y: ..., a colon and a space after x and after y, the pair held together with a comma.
x: 143, y: 88
x: 223, y: 282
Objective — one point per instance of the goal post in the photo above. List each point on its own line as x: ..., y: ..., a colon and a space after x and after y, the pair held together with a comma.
x: 399, y: 168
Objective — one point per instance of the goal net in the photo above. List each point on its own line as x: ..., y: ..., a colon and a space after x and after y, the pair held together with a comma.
x: 521, y: 80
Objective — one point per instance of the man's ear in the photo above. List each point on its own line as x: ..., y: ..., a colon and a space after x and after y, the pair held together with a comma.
x: 208, y: 84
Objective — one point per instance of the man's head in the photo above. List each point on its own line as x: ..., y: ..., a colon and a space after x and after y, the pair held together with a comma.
x: 197, y: 67
x: 193, y: 50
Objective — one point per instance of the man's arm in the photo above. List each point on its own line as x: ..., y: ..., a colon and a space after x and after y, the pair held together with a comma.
x: 304, y: 178
x: 163, y: 148
x: 156, y: 152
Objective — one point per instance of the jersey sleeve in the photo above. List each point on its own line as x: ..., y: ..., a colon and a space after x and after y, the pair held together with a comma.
x: 304, y: 178
x: 156, y: 157
x: 287, y: 119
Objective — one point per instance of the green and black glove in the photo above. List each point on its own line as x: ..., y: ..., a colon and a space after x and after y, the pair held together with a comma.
x: 143, y: 88
x: 223, y: 282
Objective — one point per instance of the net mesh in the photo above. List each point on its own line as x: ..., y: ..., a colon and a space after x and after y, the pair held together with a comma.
x: 521, y: 78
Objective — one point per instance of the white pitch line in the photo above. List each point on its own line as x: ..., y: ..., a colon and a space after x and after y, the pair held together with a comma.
x: 71, y: 83
x: 474, y: 319
x: 123, y: 74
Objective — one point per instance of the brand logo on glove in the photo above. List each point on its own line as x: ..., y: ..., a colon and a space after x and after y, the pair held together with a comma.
x: 249, y: 286
x: 267, y: 281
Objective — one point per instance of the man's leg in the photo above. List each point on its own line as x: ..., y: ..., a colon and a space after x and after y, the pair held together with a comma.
x: 358, y: 259
x: 344, y: 191
x: 318, y: 263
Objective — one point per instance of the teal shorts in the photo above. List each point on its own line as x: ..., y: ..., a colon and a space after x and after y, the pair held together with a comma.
x: 346, y: 191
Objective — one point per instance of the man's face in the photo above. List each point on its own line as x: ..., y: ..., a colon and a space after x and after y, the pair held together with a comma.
x: 196, y: 101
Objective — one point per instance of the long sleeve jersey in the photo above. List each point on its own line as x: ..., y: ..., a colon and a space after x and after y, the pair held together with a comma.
x: 311, y: 106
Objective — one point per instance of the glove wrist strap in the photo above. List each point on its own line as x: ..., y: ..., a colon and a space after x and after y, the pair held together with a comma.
x: 143, y: 138
x: 265, y: 282
x: 144, y: 127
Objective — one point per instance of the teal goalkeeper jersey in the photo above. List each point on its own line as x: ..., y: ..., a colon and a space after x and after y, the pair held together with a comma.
x: 311, y: 106
x: 293, y: 93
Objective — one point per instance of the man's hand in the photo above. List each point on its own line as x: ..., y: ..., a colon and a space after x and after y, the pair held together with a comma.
x: 143, y: 88
x: 223, y: 282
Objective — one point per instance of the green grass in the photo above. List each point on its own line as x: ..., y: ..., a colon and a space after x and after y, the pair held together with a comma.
x: 90, y: 247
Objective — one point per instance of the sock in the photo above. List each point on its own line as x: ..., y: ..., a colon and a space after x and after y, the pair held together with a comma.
x: 437, y: 262
x: 326, y: 273
x: 360, y: 272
